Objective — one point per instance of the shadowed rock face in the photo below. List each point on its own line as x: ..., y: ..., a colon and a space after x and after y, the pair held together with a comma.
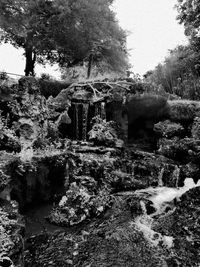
x: 143, y: 112
x: 137, y: 114
x: 147, y: 106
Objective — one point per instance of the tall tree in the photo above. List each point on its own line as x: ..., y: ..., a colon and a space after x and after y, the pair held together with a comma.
x: 179, y: 73
x: 63, y: 31
x: 189, y: 16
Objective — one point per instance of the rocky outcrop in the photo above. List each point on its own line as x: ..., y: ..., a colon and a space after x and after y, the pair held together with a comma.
x: 98, y: 187
x: 168, y: 129
x: 12, y: 232
x: 105, y: 133
x: 183, y: 225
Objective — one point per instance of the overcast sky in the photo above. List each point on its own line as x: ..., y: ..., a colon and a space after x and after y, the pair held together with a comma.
x: 153, y: 30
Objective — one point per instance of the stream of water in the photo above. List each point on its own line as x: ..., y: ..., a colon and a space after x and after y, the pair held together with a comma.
x: 161, y: 197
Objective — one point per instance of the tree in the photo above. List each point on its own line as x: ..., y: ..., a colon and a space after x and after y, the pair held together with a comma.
x: 179, y: 73
x: 24, y: 24
x: 189, y: 16
x: 64, y: 31
x: 97, y: 37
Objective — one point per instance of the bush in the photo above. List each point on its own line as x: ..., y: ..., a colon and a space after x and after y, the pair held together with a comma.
x: 50, y: 87
x: 3, y: 76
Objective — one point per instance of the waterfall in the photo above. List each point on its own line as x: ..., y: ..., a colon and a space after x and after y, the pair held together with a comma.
x: 176, y: 174
x: 160, y: 177
x: 144, y: 223
x: 26, y: 153
x: 85, y: 121
x: 97, y: 111
x: 77, y: 120
x: 100, y: 110
x: 161, y: 198
x: 81, y: 127
x: 103, y: 110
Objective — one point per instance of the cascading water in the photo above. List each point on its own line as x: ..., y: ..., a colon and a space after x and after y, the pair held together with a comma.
x: 176, y: 175
x: 76, y: 105
x: 97, y: 111
x: 26, y: 152
x: 85, y: 121
x: 103, y: 111
x: 160, y: 177
x: 161, y: 198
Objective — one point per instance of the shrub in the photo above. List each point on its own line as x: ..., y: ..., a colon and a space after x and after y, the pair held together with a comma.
x: 50, y: 87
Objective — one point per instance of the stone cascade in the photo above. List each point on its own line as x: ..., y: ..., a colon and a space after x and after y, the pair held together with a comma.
x: 100, y: 202
x: 83, y: 113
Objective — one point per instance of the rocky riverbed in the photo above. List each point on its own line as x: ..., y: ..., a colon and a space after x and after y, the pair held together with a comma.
x: 98, y: 177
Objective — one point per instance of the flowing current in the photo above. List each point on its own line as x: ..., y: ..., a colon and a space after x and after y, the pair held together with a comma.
x: 161, y: 197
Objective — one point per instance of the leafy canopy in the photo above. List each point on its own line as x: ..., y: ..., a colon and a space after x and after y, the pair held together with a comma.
x: 65, y: 31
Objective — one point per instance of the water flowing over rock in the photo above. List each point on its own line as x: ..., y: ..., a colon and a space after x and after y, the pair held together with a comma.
x: 100, y: 175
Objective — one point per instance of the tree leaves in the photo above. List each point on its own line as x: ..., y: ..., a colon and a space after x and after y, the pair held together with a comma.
x: 64, y: 31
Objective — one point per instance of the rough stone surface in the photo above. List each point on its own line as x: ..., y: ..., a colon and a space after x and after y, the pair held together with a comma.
x: 183, y: 150
x: 11, y: 235
x: 105, y: 133
x: 168, y: 129
x: 98, y: 192
x: 183, y: 225
x: 196, y: 128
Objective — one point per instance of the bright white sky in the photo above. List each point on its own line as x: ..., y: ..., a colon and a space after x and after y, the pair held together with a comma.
x: 153, y: 30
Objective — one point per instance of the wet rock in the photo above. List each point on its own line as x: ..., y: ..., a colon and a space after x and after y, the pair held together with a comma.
x: 183, y: 150
x: 183, y: 225
x: 153, y: 170
x: 168, y: 129
x: 121, y: 181
x: 112, y: 240
x: 190, y: 170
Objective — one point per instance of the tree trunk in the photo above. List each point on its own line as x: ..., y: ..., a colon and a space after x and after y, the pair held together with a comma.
x: 30, y: 60
x: 89, y: 66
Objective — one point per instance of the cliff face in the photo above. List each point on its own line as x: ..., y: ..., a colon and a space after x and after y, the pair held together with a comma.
x: 113, y: 188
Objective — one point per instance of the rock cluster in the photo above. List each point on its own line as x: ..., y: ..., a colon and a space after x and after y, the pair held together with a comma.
x: 99, y: 189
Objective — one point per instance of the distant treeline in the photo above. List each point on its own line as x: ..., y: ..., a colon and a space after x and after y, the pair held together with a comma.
x: 180, y: 72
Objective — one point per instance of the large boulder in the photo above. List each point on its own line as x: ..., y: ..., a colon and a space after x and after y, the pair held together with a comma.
x: 168, y: 129
x: 105, y: 133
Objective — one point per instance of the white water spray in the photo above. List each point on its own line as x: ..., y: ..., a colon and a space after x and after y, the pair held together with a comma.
x: 161, y: 197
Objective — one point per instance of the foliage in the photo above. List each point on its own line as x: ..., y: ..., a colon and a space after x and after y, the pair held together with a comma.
x: 179, y: 74
x: 188, y: 15
x: 3, y: 76
x: 68, y: 32
x: 51, y: 87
